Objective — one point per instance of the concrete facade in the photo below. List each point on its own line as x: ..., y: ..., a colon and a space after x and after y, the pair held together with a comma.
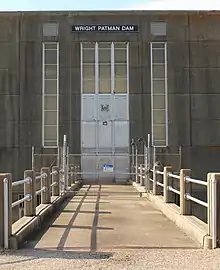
x: 193, y: 85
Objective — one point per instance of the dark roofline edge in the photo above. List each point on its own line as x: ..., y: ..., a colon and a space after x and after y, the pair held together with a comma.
x: 106, y: 12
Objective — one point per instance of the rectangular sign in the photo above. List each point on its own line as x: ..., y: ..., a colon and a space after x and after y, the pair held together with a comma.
x: 105, y: 28
x: 108, y: 168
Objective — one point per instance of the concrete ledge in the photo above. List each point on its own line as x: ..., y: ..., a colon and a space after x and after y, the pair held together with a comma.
x: 24, y: 227
x: 196, y: 229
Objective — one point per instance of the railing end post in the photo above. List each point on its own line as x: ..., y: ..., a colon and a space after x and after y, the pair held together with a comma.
x: 5, y: 210
x: 213, y: 209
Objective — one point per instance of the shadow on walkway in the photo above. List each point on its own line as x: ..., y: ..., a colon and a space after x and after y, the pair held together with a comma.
x: 49, y: 223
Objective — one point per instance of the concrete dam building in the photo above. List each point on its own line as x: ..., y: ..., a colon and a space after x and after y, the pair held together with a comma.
x: 103, y: 78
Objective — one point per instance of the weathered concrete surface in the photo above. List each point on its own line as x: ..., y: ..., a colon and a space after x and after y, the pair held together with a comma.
x: 191, y: 225
x: 109, y: 221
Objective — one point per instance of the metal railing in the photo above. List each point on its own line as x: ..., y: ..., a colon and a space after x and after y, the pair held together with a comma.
x: 29, y: 195
x: 50, y: 186
x: 53, y: 181
x: 163, y: 183
x: 187, y: 195
x: 187, y: 179
x: 170, y: 187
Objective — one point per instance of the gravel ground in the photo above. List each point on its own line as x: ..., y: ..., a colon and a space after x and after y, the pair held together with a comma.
x: 137, y: 259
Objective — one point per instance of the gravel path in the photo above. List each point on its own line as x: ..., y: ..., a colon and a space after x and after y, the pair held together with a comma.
x: 118, y: 260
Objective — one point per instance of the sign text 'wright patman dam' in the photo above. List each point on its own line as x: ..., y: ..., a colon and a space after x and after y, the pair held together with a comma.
x: 104, y: 28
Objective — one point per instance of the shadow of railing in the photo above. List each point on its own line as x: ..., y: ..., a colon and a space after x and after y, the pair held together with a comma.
x: 49, y: 223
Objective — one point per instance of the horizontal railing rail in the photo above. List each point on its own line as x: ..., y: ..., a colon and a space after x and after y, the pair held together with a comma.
x: 188, y: 196
x: 40, y: 190
x: 159, y: 172
x: 173, y: 190
x: 21, y: 182
x: 193, y: 199
x: 195, y: 181
x: 42, y: 175
x: 174, y: 176
x: 160, y: 184
x: 26, y: 198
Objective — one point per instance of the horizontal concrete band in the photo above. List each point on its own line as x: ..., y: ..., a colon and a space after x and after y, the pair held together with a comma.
x: 24, y: 227
x: 196, y: 229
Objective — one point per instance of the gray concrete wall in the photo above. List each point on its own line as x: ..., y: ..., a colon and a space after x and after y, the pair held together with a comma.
x: 205, y: 85
x: 193, y: 85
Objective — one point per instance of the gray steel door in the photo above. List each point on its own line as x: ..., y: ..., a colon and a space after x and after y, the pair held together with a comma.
x: 105, y: 132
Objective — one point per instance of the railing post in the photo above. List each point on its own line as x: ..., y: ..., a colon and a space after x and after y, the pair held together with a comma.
x: 75, y: 173
x: 147, y: 177
x: 155, y: 187
x: 55, y: 179
x: 32, y: 157
x: 67, y: 167
x: 148, y: 152
x: 71, y: 178
x: 166, y: 193
x: 213, y: 210
x: 141, y: 175
x: 185, y: 205
x: 5, y: 210
x: 136, y: 165
x: 65, y: 162
x: 132, y: 158
x: 138, y: 173
x: 58, y: 156
x: 209, y: 200
x: 46, y: 186
x: 30, y: 189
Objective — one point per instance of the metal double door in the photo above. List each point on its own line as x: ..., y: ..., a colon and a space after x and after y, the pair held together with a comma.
x: 105, y: 138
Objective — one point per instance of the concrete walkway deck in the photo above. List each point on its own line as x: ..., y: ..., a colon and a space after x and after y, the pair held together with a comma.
x: 108, y: 221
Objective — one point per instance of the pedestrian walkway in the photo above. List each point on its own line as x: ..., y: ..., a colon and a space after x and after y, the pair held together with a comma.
x: 107, y: 218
